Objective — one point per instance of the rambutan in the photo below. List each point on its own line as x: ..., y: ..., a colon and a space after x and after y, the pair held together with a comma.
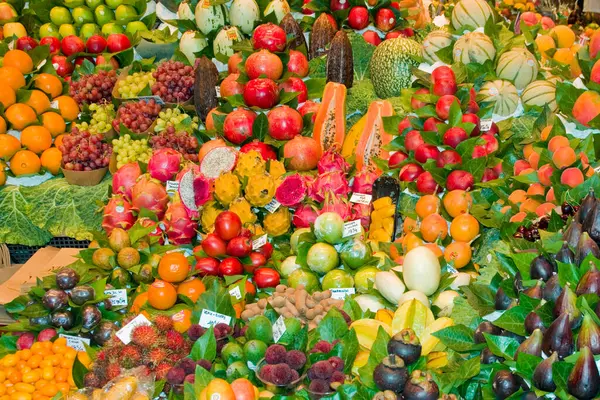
x: 163, y: 323
x: 174, y: 340
x: 162, y: 370
x: 130, y: 357
x: 112, y: 371
x: 156, y: 356
x: 144, y: 335
x: 101, y: 355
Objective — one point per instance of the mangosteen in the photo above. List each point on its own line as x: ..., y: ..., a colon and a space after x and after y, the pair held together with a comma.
x: 406, y: 345
x: 421, y: 387
x: 504, y: 384
x: 487, y: 357
x: 104, y: 332
x: 90, y: 316
x: 55, y: 299
x: 485, y: 327
x: 63, y: 319
x: 387, y: 395
x: 44, y: 320
x: 67, y: 278
x: 82, y: 294
x: 391, y: 374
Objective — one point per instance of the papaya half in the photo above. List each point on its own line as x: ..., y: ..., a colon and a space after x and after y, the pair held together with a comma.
x: 330, y: 121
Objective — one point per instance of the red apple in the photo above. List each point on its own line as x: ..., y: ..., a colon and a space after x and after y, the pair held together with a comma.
x: 458, y: 179
x: 358, y: 18
x: 71, y: 45
x: 26, y: 43
x: 426, y: 152
x: 442, y: 107
x: 410, y: 172
x: 52, y: 43
x: 415, y: 103
x: 96, y: 44
x: 62, y: 66
x: 413, y: 140
x: 448, y: 157
x: 117, y: 42
x: 396, y: 159
x: 385, y: 19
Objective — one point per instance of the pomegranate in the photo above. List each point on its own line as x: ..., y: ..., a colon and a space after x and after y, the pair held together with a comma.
x: 426, y: 184
x: 52, y: 43
x: 117, y: 42
x: 284, y: 123
x: 303, y: 152
x: 124, y: 179
x: 118, y: 213
x: 358, y: 18
x: 396, y: 159
x: 442, y: 107
x: 416, y: 103
x: 164, y: 163
x: 297, y: 63
x: 266, y: 151
x: 230, y: 86
x: 413, y: 140
x: 96, y: 44
x: 309, y: 107
x: 262, y: 93
x: 265, y: 63
x: 385, y: 19
x: 448, y: 157
x: 459, y: 180
x: 295, y: 85
x: 410, y: 172
x: 372, y: 37
x: 150, y: 194
x: 270, y: 37
x: 233, y: 62
x: 210, y: 122
x: 453, y: 136
x: 426, y: 152
x: 238, y: 125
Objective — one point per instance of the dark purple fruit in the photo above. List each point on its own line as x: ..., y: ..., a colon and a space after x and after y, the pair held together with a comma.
x: 559, y: 338
x: 421, y: 387
x: 82, y: 294
x: 541, y: 268
x: 487, y: 357
x: 485, y: 327
x: 589, y: 282
x: 589, y: 335
x: 62, y: 319
x: 529, y: 396
x: 566, y: 303
x: 90, y: 317
x: 591, y: 223
x: 572, y: 234
x: 55, y: 299
x: 504, y: 384
x: 391, y: 374
x: 584, y: 380
x: 405, y: 344
x: 552, y: 289
x: 535, y: 292
x: 542, y: 375
x: 533, y: 322
x: 104, y: 332
x: 502, y: 300
x: 67, y: 279
x: 567, y: 209
x: 532, y: 345
x: 585, y: 247
x: 44, y: 320
x: 565, y: 254
x: 587, y: 206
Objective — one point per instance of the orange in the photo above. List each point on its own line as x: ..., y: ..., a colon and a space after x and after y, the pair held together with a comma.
x: 39, y: 101
x: 68, y: 107
x: 173, y: 267
x: 564, y: 157
x: 54, y: 123
x: 464, y: 228
x: 427, y: 205
x: 139, y: 302
x: 2, y: 125
x: 12, y: 77
x: 191, y: 288
x: 459, y: 253
x: 219, y: 389
x: 36, y: 138
x: 182, y: 320
x: 434, y: 227
x: 25, y: 162
x: 8, y: 96
x: 244, y: 389
x: 18, y: 59
x: 457, y: 202
x: 51, y: 159
x: 20, y: 116
x: 162, y: 295
x: 9, y: 145
x: 49, y: 84
x: 58, y: 140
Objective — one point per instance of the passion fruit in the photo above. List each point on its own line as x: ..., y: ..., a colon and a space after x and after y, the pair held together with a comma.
x: 102, y: 258
x: 119, y: 239
x: 82, y: 294
x: 90, y: 317
x: 55, y: 299
x: 44, y: 320
x: 128, y: 257
x: 67, y: 278
x: 144, y: 275
x: 62, y: 319
x: 104, y: 332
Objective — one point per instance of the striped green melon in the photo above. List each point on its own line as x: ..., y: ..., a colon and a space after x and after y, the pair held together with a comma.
x: 518, y: 66
x: 434, y: 42
x: 471, y: 13
x: 474, y: 47
x: 502, y: 94
x: 540, y: 93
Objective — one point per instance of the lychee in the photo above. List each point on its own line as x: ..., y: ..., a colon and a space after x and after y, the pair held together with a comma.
x: 175, y: 376
x: 295, y: 359
x: 144, y: 335
x: 338, y: 377
x: 222, y: 330
x: 322, y: 370
x: 322, y: 347
x: 337, y: 363
x: 207, y: 365
x: 266, y: 372
x: 195, y: 332
x: 294, y: 375
x: 188, y: 365
x: 163, y: 323
x: 275, y: 354
x: 281, y: 374
x: 174, y: 340
x: 319, y: 386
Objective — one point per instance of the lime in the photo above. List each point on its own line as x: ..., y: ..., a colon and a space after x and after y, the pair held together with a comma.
x: 60, y: 15
x: 125, y: 13
x: 135, y: 26
x: 303, y: 277
x: 103, y: 15
x: 113, y: 3
x: 254, y: 350
x: 260, y: 328
x: 73, y: 3
x: 49, y: 29
x: 82, y: 15
x: 88, y: 30
x: 337, y: 279
x: 67, y: 30
x: 322, y: 258
x: 236, y: 370
x: 364, y: 278
x: 232, y: 352
x: 92, y: 4
x: 111, y: 27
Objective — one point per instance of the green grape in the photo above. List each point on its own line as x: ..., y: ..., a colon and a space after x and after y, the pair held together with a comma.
x: 133, y: 84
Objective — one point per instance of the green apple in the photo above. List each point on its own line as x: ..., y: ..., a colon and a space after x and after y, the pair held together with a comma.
x: 103, y: 15
x: 337, y: 278
x: 113, y: 3
x: 73, y: 3
x: 88, y: 30
x: 60, y: 15
x: 67, y: 30
x: 111, y: 27
x: 125, y: 13
x: 135, y: 26
x: 49, y: 29
x: 82, y: 15
x: 92, y: 4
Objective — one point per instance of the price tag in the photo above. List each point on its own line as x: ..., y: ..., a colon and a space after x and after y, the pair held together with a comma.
x: 209, y: 318
x: 172, y: 187
x: 251, y: 365
x: 278, y: 329
x: 351, y: 228
x: 54, y: 105
x: 342, y: 293
x: 273, y: 206
x: 236, y: 292
x: 218, y: 90
x: 124, y: 334
x: 260, y: 242
x: 597, y: 169
x: 118, y: 297
x: 157, y: 99
x: 485, y: 125
x: 75, y: 342
x: 361, y: 198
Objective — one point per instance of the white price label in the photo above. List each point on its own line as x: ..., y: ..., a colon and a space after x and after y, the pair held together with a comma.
x: 351, y: 228
x: 209, y: 318
x: 54, y: 105
x: 251, y: 365
x: 172, y: 186
x: 218, y: 90
x: 597, y: 169
x: 278, y: 329
x: 117, y: 297
x: 75, y: 342
x: 485, y: 125
x: 260, y: 242
x: 236, y: 292
x: 361, y: 198
x: 273, y: 206
x: 124, y: 334
x: 157, y: 99
x: 342, y: 293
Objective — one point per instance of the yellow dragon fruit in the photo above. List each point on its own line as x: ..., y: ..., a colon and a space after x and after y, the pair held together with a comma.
x: 209, y: 213
x: 278, y: 223
x: 250, y: 164
x: 256, y: 230
x: 276, y: 169
x: 227, y: 188
x: 242, y: 208
x: 260, y: 190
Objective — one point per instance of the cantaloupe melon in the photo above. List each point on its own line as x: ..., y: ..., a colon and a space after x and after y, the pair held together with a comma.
x: 470, y: 13
x: 518, y: 66
x: 474, y: 47
x: 540, y: 93
x: 434, y: 42
x: 502, y: 94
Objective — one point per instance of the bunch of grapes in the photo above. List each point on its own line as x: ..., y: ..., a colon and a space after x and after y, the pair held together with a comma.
x: 182, y: 141
x: 93, y: 88
x: 136, y: 116
x: 83, y: 151
x: 131, y: 86
x: 102, y: 117
x: 174, y: 81
x: 173, y: 117
x: 128, y: 150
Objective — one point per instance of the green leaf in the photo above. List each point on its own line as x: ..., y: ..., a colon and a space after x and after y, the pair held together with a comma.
x: 513, y: 320
x: 480, y: 297
x: 333, y: 326
x: 16, y: 226
x: 205, y: 347
x: 453, y: 378
x: 260, y: 127
x: 526, y: 364
x: 501, y: 346
x: 377, y: 354
x: 78, y: 372
x: 457, y: 337
x: 201, y: 381
x: 216, y: 298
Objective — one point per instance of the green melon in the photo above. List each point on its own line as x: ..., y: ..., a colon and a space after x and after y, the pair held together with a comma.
x: 391, y: 65
x: 518, y: 66
x: 502, y: 94
x: 434, y: 42
x: 471, y: 13
x: 540, y: 93
x: 473, y: 47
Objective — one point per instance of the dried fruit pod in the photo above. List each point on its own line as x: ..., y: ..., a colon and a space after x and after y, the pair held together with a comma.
x: 291, y: 27
x: 322, y: 34
x: 340, y: 64
x: 205, y: 92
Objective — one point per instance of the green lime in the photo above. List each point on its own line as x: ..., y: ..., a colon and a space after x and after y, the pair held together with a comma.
x: 365, y: 278
x: 111, y: 27
x: 73, y: 3
x: 236, y: 370
x: 260, y: 328
x: 125, y: 13
x: 103, y: 15
x: 254, y: 350
x: 60, y: 15
x: 337, y: 279
x: 82, y: 15
x: 292, y: 328
x: 113, y: 3
x: 219, y: 370
x: 231, y: 352
x: 67, y: 30
x: 303, y: 277
x: 135, y: 26
x: 49, y: 29
x: 92, y: 4
x: 88, y: 30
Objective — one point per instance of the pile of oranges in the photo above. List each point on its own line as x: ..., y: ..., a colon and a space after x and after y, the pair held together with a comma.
x: 40, y: 115
x: 39, y: 373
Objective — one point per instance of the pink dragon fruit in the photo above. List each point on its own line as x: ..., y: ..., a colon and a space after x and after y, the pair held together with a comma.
x: 217, y: 161
x: 150, y: 194
x: 304, y: 216
x: 334, y: 182
x: 164, y: 163
x: 336, y: 204
x: 291, y: 191
x: 363, y: 182
x: 179, y: 226
x: 194, y: 189
x: 332, y: 161
x: 124, y: 179
x: 157, y: 232
x: 118, y: 213
x: 362, y: 212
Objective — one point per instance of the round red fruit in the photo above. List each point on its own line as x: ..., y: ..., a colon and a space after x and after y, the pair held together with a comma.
x: 459, y: 180
x: 338, y: 5
x: 304, y: 153
x: 410, y: 172
x: 266, y: 250
x: 96, y: 44
x: 270, y: 37
x: 448, y: 157
x: 443, y: 73
x: 408, y: 31
x: 257, y: 259
x: 233, y: 62
x: 479, y: 151
x: 426, y: 152
x: 264, y: 63
x: 358, y: 18
x: 385, y: 19
x: 295, y: 85
x: 79, y: 60
x: 237, y: 126
x: 416, y: 103
x: 397, y: 159
x: 305, y: 10
x: 426, y: 184
x: 472, y: 107
x: 101, y: 60
x: 266, y: 278
x: 491, y: 143
x: 297, y: 63
x: 71, y: 45
x: 230, y: 86
x: 444, y: 87
x: 472, y: 119
x: 262, y: 93
x: 372, y: 37
x: 404, y: 125
x: 228, y: 225
x: 26, y: 43
x: 206, y: 265
x: 442, y: 107
x: 117, y: 42
x: 239, y: 246
x: 230, y: 266
x: 453, y: 136
x: 413, y: 140
x: 430, y: 124
x: 266, y: 151
x: 284, y: 123
x: 393, y: 35
x: 494, y: 130
x: 489, y: 175
x: 52, y: 43
x: 309, y: 107
x: 214, y: 246
x: 62, y: 66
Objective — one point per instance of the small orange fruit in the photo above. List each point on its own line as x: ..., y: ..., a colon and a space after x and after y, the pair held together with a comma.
x: 557, y: 142
x: 68, y: 107
x: 18, y: 59
x: 36, y: 138
x: 51, y: 159
x: 139, y: 302
x: 20, y: 115
x: 517, y: 196
x: 39, y: 101
x: 8, y: 96
x: 457, y: 202
x: 12, y: 77
x: 25, y: 162
x: 464, y: 228
x: 54, y: 123
x: 564, y: 157
x: 162, y: 295
x: 427, y: 205
x: 9, y: 145
x: 49, y: 84
x: 545, y: 132
x: 173, y: 267
x: 191, y: 288
x: 459, y: 253
x: 182, y: 320
x: 2, y: 125
x: 434, y: 227
x: 59, y: 140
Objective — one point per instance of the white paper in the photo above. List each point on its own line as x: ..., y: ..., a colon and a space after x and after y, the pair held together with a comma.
x: 361, y: 198
x: 260, y: 242
x: 209, y: 318
x: 485, y: 125
x: 351, y: 228
x: 75, y: 342
x: 157, y: 99
x: 273, y: 206
x: 278, y: 329
x: 124, y: 334
x: 218, y: 90
x: 118, y: 297
x: 236, y: 292
x: 172, y: 186
x: 342, y: 293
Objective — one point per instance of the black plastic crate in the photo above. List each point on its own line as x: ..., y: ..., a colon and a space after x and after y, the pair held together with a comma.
x: 20, y: 254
